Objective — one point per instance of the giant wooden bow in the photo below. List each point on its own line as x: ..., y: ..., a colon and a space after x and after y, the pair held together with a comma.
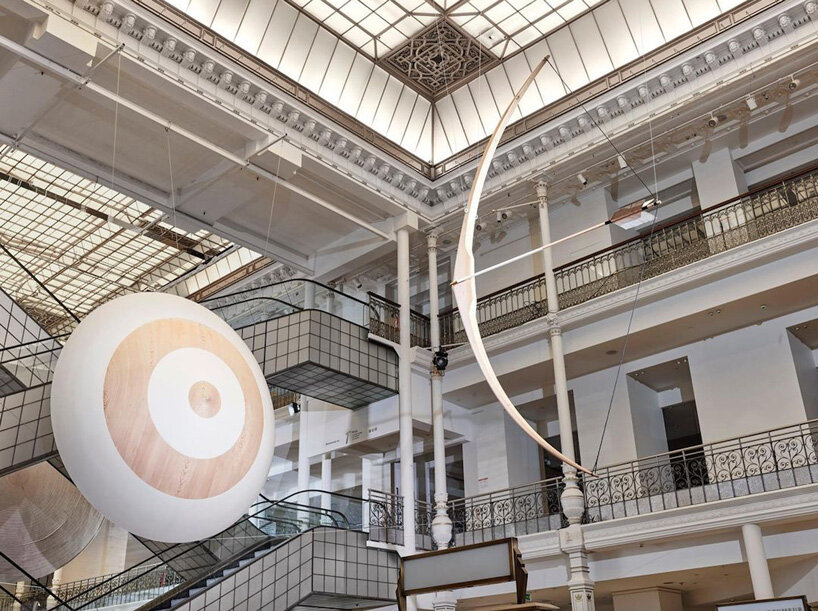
x: 465, y: 291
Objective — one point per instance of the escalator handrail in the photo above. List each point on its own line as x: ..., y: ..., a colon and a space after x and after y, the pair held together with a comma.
x: 311, y: 509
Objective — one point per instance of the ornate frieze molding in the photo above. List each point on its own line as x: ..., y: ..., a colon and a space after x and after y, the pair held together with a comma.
x: 778, y: 29
x: 278, y: 107
x: 209, y: 67
x: 776, y: 506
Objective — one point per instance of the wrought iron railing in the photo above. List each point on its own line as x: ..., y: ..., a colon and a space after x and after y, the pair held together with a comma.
x: 736, y: 222
x: 384, y: 321
x: 386, y: 520
x: 751, y: 464
x: 772, y: 460
x: 507, y: 513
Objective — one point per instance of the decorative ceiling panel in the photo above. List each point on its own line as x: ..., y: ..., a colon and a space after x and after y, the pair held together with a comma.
x: 479, y: 50
x: 439, y: 57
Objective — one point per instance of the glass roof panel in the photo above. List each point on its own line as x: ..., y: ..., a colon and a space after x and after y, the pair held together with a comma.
x: 86, y: 242
x: 506, y: 25
x: 385, y: 22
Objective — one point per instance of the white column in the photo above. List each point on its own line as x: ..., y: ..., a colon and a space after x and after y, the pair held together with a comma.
x: 19, y: 592
x: 309, y: 295
x: 56, y: 580
x: 580, y: 585
x: 406, y: 453
x: 557, y: 354
x: 303, y: 429
x: 442, y: 523
x: 757, y: 560
x: 326, y: 480
x: 303, y: 457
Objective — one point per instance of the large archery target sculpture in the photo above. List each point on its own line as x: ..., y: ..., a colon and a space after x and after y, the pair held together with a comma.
x: 162, y: 417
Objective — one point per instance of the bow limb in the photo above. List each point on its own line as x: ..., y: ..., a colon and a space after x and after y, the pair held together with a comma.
x: 465, y: 292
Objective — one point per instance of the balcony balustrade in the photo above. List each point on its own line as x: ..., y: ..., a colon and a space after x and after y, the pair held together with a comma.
x: 384, y: 321
x: 750, y: 217
x: 771, y: 460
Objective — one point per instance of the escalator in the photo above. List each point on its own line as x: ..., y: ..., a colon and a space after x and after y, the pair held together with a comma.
x: 314, y: 558
x: 285, y: 554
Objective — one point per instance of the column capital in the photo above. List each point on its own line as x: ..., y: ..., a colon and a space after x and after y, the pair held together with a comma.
x: 431, y: 239
x: 407, y: 220
x: 444, y: 601
x: 541, y: 188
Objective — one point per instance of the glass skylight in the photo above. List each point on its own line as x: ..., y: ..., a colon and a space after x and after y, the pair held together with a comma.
x: 86, y: 242
x: 373, y: 26
x: 506, y: 26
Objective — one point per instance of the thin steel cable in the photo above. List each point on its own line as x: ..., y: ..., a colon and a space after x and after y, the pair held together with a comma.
x: 602, y: 131
x: 642, y: 267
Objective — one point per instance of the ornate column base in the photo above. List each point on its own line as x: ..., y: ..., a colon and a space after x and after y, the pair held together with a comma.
x: 580, y: 585
x: 572, y: 499
x: 442, y: 523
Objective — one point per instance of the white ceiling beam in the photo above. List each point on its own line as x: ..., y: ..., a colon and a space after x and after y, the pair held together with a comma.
x: 92, y: 170
x: 63, y: 72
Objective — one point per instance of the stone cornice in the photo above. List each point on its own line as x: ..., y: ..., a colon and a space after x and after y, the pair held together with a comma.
x: 210, y: 67
x: 620, y: 107
x: 652, y: 289
x: 776, y: 506
x: 269, y: 104
x: 767, y: 507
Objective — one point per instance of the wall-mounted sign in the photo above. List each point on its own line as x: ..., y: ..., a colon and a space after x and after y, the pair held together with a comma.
x: 461, y: 567
x: 793, y: 603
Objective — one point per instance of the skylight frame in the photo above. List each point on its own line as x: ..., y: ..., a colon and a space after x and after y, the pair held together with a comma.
x: 83, y: 259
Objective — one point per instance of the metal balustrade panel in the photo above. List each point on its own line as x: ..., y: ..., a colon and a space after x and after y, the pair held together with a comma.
x: 768, y: 461
x: 384, y: 321
x: 750, y: 218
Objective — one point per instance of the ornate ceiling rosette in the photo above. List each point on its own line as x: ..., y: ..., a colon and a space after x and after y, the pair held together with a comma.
x: 439, y: 58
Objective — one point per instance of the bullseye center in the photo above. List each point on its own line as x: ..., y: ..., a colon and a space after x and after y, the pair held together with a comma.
x: 204, y: 399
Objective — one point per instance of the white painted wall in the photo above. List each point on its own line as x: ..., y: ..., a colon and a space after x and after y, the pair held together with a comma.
x: 648, y: 423
x: 592, y: 396
x: 807, y: 374
x: 718, y: 178
x: 485, y: 458
x: 516, y: 241
x: 746, y: 381
x: 522, y: 454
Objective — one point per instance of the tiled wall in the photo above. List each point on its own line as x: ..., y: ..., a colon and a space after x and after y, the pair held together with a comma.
x: 319, y: 565
x: 324, y: 356
x: 25, y: 415
x: 25, y: 428
x: 193, y: 559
